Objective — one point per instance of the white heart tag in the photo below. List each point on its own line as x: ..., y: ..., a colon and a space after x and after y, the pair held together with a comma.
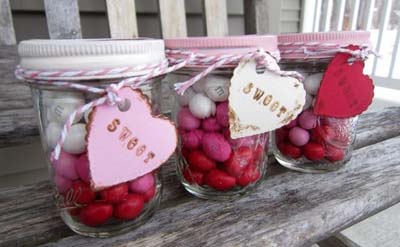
x: 262, y: 102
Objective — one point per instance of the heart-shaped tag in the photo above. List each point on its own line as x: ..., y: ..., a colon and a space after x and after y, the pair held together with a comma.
x: 345, y: 91
x: 123, y: 145
x: 262, y: 102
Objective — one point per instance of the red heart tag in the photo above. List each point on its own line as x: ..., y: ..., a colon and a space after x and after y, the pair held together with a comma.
x: 345, y: 91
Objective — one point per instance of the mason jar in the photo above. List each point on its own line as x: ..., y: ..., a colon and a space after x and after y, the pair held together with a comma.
x: 210, y: 164
x: 315, y: 143
x: 89, y: 211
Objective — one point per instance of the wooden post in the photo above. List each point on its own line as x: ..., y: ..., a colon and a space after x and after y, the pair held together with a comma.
x: 7, y: 33
x: 215, y: 17
x: 262, y: 16
x: 122, y: 19
x: 172, y: 18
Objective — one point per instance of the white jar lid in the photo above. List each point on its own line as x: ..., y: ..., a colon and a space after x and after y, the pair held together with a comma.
x: 90, y: 54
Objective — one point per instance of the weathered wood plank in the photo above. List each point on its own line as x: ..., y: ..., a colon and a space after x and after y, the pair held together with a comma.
x: 172, y: 18
x: 122, y: 19
x: 63, y: 19
x: 215, y: 17
x: 261, y: 16
x: 7, y: 32
x: 289, y: 209
x: 273, y: 192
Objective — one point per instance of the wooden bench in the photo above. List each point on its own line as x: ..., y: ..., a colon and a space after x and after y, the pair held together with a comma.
x: 288, y: 209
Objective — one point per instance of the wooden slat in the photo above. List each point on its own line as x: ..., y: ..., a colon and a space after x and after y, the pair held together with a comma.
x: 215, y: 17
x: 63, y: 19
x: 369, y: 10
x: 317, y: 15
x: 307, y: 16
x: 354, y: 14
x: 326, y: 14
x: 308, y: 207
x: 7, y: 33
x: 173, y: 18
x: 395, y: 57
x: 262, y: 16
x: 338, y: 15
x: 122, y: 19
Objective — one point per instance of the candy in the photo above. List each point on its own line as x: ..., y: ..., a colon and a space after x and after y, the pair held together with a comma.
x: 186, y: 120
x: 198, y: 161
x: 65, y: 165
x: 96, y: 213
x: 308, y: 120
x: 86, y: 115
x: 312, y: 83
x: 53, y: 132
x: 290, y: 150
x: 192, y: 140
x: 222, y: 114
x: 115, y: 194
x: 192, y: 176
x: 62, y: 184
x: 142, y: 184
x: 298, y: 136
x: 210, y: 124
x: 82, y: 168
x: 201, y: 106
x: 75, y: 142
x: 61, y: 108
x: 251, y: 174
x: 81, y: 193
x: 309, y: 101
x: 186, y: 97
x: 217, y: 88
x: 219, y: 180
x: 199, y: 86
x: 244, y: 141
x: 239, y: 160
x: 282, y: 135
x: 216, y: 147
x: 148, y: 195
x: 130, y: 208
x: 314, y: 151
x: 334, y: 154
x: 292, y: 124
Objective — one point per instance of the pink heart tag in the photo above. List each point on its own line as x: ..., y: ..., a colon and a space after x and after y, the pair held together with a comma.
x: 124, y: 145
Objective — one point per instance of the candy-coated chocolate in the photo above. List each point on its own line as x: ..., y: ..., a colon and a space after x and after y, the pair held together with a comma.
x: 96, y: 213
x: 250, y: 175
x: 130, y: 208
x: 244, y: 141
x: 314, y: 151
x: 81, y: 193
x: 290, y: 150
x: 309, y: 101
x: 82, y: 168
x: 65, y: 165
x: 75, y: 142
x: 149, y: 194
x: 192, y: 176
x: 192, y: 139
x: 323, y: 133
x: 115, y: 194
x: 61, y: 108
x: 222, y: 114
x: 217, y: 88
x: 62, y: 184
x: 239, y: 160
x: 258, y: 153
x: 186, y: 120
x: 298, y: 136
x: 199, y: 86
x: 282, y: 135
x: 219, y: 180
x: 216, y: 147
x: 312, y: 83
x: 53, y: 132
x: 201, y: 106
x: 186, y: 97
x: 198, y: 161
x: 210, y: 124
x: 308, y: 120
x: 334, y: 154
x: 142, y: 184
x: 292, y: 124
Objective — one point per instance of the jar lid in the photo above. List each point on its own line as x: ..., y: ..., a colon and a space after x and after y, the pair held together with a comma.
x: 90, y: 54
x: 292, y: 45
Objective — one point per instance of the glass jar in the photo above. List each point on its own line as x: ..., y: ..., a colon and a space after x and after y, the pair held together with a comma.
x: 313, y: 143
x: 88, y: 211
x: 210, y: 164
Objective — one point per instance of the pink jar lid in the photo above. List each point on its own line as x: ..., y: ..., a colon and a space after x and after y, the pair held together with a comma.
x: 293, y: 46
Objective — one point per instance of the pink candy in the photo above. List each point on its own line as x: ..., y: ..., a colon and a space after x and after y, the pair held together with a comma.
x: 62, y: 184
x: 216, y: 147
x: 82, y: 168
x: 308, y: 120
x: 298, y: 136
x: 239, y: 142
x: 210, y: 124
x: 192, y: 140
x: 142, y: 184
x: 187, y: 121
x: 65, y: 165
x: 292, y: 124
x: 222, y: 114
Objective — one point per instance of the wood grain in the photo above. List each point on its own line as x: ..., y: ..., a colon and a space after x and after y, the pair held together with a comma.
x: 262, y: 17
x: 7, y: 32
x: 172, y: 18
x: 288, y: 209
x: 122, y: 19
x: 63, y: 19
x: 215, y: 17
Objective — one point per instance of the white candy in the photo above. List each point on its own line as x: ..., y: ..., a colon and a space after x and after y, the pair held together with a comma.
x: 53, y: 132
x: 217, y: 88
x: 61, y: 109
x: 309, y: 101
x: 201, y: 106
x: 186, y: 97
x: 75, y: 142
x: 312, y: 82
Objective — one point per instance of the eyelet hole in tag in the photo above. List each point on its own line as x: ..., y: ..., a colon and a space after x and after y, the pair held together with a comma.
x: 125, y: 105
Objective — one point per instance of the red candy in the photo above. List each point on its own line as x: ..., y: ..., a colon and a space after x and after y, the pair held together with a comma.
x: 210, y: 124
x: 130, y: 208
x: 96, y: 213
x: 200, y: 162
x: 314, y: 151
x: 115, y: 194
x: 251, y: 174
x: 238, y: 161
x: 193, y: 176
x: 148, y: 195
x: 290, y: 150
x: 81, y: 193
x: 219, y: 180
x: 334, y: 154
